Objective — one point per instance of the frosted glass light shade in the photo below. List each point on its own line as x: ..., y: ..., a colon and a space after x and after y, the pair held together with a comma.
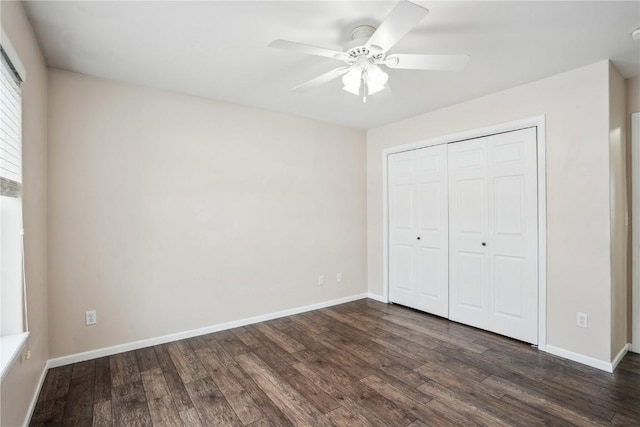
x: 352, y: 80
x: 376, y: 79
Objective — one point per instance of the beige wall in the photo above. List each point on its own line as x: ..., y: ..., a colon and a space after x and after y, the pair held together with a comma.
x: 619, y: 210
x: 169, y: 212
x: 578, y: 226
x: 20, y: 385
x: 633, y: 106
x: 633, y: 95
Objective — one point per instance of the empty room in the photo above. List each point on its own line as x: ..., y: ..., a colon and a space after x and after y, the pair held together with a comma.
x: 320, y: 213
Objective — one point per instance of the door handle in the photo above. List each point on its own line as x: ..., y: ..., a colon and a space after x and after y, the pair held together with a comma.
x: 418, y: 237
x: 484, y: 243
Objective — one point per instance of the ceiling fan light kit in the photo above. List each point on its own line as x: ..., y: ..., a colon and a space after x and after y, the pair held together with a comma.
x: 363, y: 75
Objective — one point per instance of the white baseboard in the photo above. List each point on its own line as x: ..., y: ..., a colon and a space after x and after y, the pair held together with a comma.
x: 587, y: 360
x: 377, y: 297
x: 623, y: 351
x: 34, y: 399
x: 108, y: 351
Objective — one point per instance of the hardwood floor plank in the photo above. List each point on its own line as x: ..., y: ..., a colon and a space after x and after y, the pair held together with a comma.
x: 453, y: 416
x: 343, y: 382
x: 187, y: 364
x: 263, y: 422
x: 289, y: 401
x: 275, y: 416
x: 306, y: 338
x: 626, y: 404
x: 276, y: 358
x: 547, y: 405
x: 573, y: 399
x: 361, y: 369
x: 243, y: 405
x: 102, y: 386
x: 285, y: 342
x: 161, y: 407
x: 220, y: 351
x: 190, y: 418
x: 241, y: 402
x: 350, y: 387
x: 246, y: 336
x: 474, y: 401
x: 147, y: 359
x: 363, y: 413
x: 102, y: 416
x: 623, y: 420
x: 124, y: 369
x: 49, y: 412
x: 211, y: 404
x: 441, y: 336
x: 129, y: 405
x: 79, y: 408
x: 82, y: 369
x: 231, y: 343
x: 461, y: 403
x: 342, y: 417
x: 313, y: 393
x: 308, y: 325
x: 447, y: 377
x: 56, y: 383
x: 199, y: 343
x: 179, y: 393
x: 388, y: 362
x: 536, y: 416
x: 418, y: 408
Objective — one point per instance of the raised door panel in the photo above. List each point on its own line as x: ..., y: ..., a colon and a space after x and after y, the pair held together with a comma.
x: 513, y: 237
x: 433, y: 231
x: 418, y: 229
x: 468, y: 230
x: 493, y: 234
x: 402, y: 226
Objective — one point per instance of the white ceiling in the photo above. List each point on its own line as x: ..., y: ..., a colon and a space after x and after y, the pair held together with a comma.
x: 219, y: 50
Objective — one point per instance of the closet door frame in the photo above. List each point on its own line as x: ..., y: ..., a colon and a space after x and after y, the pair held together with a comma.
x: 539, y: 123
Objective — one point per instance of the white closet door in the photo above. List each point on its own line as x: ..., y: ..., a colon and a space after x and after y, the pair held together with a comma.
x: 494, y: 234
x: 418, y: 229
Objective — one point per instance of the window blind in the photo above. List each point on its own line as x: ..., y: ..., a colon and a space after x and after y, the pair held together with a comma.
x: 10, y: 128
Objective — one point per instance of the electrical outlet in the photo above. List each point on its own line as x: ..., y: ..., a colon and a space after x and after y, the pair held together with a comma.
x: 90, y: 318
x: 321, y: 280
x: 339, y: 278
x: 582, y: 320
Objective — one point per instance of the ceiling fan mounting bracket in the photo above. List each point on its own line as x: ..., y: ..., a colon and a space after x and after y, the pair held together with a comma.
x: 362, y: 32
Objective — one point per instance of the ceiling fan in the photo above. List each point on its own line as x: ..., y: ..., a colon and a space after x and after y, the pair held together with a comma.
x: 363, y: 74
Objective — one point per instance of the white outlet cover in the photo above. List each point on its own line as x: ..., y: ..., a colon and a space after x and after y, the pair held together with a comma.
x: 90, y: 317
x: 321, y: 280
x: 582, y: 320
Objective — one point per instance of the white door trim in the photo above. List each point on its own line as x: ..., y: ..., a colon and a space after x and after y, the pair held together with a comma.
x: 635, y: 239
x: 539, y: 123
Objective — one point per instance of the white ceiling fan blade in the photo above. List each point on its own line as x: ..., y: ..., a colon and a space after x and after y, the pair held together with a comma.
x: 307, y: 49
x: 427, y: 62
x: 320, y: 80
x: 396, y: 25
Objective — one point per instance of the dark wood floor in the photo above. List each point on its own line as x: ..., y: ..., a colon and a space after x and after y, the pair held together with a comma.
x: 361, y: 363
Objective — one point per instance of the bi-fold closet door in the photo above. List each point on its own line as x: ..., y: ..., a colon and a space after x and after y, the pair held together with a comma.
x: 463, y: 232
x: 418, y: 232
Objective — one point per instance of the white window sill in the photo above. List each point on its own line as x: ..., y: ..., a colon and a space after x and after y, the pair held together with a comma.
x: 11, y: 346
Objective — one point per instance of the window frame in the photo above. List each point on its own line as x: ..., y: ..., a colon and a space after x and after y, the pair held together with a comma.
x: 12, y: 345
